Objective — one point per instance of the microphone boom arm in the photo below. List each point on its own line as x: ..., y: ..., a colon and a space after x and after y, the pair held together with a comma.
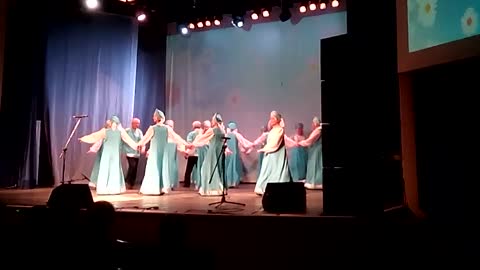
x: 70, y: 137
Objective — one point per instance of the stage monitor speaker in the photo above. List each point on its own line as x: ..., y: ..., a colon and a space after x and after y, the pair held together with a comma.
x: 71, y: 196
x: 288, y: 197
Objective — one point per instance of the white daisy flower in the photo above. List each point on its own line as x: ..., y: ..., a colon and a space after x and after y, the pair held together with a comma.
x: 427, y: 11
x: 469, y: 22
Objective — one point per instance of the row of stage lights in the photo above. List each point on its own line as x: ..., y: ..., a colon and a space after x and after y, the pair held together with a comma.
x: 238, y: 21
x: 312, y: 5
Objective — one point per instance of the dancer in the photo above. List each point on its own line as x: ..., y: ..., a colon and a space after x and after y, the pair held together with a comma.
x: 133, y: 154
x: 97, y: 148
x: 158, y: 135
x: 214, y: 138
x: 233, y: 162
x: 192, y: 155
x: 314, y: 177
x: 298, y: 156
x: 275, y: 162
x: 202, y: 152
x: 260, y: 141
x: 170, y: 162
x: 110, y: 179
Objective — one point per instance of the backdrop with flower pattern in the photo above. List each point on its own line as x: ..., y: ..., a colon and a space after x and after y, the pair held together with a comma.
x: 436, y: 22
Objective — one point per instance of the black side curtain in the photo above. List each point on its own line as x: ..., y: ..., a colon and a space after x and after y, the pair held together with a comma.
x: 23, y: 94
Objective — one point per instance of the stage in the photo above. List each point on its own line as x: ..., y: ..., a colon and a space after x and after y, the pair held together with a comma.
x: 180, y: 201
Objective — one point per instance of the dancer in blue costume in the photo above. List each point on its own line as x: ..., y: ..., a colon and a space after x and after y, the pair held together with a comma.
x: 260, y: 141
x: 202, y: 152
x: 233, y: 162
x: 214, y: 138
x: 110, y: 174
x: 170, y: 162
x: 275, y: 163
x: 314, y: 177
x: 97, y: 148
x: 157, y: 135
x: 298, y: 156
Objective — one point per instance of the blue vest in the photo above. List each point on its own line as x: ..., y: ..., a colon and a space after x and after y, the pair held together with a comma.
x: 127, y: 149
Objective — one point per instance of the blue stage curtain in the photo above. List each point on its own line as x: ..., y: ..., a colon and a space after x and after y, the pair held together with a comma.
x: 150, y: 82
x: 90, y: 69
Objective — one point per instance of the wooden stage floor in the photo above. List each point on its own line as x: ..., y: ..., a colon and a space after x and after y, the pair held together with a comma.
x: 181, y: 201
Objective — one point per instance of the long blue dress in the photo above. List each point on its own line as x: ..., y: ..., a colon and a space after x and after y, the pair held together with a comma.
x: 298, y: 162
x: 215, y: 188
x: 314, y: 179
x: 96, y: 167
x: 110, y: 174
x: 260, y: 156
x: 197, y: 173
x: 233, y: 162
x: 170, y: 167
x: 152, y: 183
x: 260, y: 161
x: 274, y: 168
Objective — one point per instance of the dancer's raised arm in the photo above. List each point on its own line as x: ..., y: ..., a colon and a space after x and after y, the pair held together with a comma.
x: 94, y: 137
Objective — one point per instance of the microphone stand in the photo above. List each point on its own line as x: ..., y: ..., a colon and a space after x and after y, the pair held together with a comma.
x: 64, y: 150
x: 221, y: 157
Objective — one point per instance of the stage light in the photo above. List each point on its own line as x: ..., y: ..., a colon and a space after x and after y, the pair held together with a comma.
x: 91, y: 4
x: 265, y: 13
x: 254, y: 16
x: 217, y: 20
x: 302, y: 9
x: 335, y: 3
x: 312, y: 6
x: 199, y: 24
x: 208, y: 23
x: 182, y: 28
x: 191, y: 26
x: 237, y: 21
x: 141, y: 17
x: 323, y: 4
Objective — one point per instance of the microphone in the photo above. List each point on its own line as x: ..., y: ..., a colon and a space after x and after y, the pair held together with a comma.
x: 226, y: 138
x: 80, y: 116
x: 324, y: 124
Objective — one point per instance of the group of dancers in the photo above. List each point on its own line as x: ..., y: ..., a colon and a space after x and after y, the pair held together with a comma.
x: 202, y: 148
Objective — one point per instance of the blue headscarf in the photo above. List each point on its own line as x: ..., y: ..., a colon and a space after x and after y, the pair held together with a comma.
x: 232, y: 125
x: 115, y: 119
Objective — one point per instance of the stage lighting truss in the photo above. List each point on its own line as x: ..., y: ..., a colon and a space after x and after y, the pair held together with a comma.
x: 260, y: 14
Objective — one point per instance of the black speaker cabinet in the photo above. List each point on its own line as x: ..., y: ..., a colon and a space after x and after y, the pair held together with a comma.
x: 288, y: 197
x: 71, y: 196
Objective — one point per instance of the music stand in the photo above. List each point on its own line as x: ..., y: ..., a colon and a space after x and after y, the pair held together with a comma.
x: 221, y: 156
x: 64, y: 150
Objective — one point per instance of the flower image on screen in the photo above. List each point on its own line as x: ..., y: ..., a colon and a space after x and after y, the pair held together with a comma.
x: 435, y: 22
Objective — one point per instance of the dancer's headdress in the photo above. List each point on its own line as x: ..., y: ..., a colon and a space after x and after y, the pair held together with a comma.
x: 159, y: 114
